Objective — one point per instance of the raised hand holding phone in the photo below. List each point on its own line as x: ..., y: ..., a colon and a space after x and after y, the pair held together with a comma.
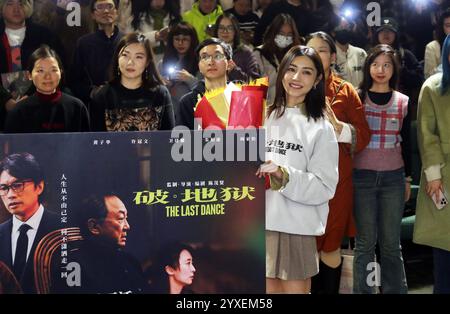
x: 440, y: 200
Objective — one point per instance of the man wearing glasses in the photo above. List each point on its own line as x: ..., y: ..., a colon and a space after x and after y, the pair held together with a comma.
x: 21, y: 188
x: 214, y: 58
x: 94, y: 51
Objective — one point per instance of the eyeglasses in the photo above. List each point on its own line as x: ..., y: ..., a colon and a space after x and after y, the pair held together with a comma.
x: 182, y: 39
x: 384, y: 65
x: 17, y: 187
x: 227, y: 29
x: 102, y: 7
x: 217, y: 57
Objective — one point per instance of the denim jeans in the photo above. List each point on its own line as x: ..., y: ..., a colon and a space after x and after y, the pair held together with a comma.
x: 378, y: 209
x: 441, y: 261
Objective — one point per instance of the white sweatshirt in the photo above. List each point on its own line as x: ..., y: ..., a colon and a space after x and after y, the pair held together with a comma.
x: 308, y: 150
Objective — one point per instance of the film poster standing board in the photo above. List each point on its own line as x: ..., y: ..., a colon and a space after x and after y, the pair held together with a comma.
x: 188, y: 188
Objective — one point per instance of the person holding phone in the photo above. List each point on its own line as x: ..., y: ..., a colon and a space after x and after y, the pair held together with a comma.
x: 179, y: 66
x: 432, y: 226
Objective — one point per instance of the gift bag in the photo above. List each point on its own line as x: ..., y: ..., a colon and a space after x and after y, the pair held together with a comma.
x: 246, y: 109
x: 209, y: 117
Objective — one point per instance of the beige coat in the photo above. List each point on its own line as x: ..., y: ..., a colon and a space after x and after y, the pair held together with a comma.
x: 432, y: 58
x: 432, y: 226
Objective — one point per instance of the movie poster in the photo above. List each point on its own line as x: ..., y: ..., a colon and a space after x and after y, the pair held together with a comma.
x: 136, y: 212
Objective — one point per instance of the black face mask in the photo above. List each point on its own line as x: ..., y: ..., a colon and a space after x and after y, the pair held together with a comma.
x: 343, y: 36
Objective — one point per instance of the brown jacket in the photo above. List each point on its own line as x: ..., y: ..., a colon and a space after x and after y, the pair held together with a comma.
x: 347, y: 107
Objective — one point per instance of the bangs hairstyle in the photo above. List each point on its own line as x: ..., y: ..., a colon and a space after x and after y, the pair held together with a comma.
x: 24, y: 166
x: 445, y: 66
x: 27, y: 6
x: 315, y: 98
x: 367, y: 81
x: 235, y: 23
x: 190, y: 60
x: 44, y: 52
x: 150, y: 76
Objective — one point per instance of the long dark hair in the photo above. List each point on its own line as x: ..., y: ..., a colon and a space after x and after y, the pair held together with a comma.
x: 235, y: 23
x: 440, y: 35
x: 315, y: 98
x: 367, y: 81
x: 142, y: 8
x: 269, y: 48
x: 190, y: 60
x: 150, y: 76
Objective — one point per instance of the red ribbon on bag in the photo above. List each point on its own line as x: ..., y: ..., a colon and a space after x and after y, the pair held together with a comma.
x: 267, y: 181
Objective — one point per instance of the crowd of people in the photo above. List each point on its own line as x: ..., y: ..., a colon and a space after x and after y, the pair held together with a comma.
x: 345, y: 92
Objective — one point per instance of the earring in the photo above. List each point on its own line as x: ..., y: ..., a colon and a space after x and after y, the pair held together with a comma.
x: 146, y: 74
x: 118, y: 72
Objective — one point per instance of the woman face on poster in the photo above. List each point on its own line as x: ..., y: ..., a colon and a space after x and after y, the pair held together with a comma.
x: 184, y: 273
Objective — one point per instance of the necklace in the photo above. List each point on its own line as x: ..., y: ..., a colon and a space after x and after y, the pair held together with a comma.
x: 299, y: 105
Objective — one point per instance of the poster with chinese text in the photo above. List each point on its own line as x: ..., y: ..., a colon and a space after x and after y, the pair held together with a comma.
x: 133, y: 212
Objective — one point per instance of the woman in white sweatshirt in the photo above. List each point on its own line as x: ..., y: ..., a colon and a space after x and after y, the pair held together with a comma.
x: 302, y: 166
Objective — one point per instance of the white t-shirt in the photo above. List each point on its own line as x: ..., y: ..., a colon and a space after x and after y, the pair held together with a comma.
x: 15, y: 36
x: 15, y: 40
x: 351, y: 64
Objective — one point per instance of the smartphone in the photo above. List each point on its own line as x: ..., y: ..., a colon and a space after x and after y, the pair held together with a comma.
x: 172, y: 72
x: 441, y: 202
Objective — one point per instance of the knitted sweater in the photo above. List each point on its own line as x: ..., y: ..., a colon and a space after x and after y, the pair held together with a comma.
x: 384, y: 152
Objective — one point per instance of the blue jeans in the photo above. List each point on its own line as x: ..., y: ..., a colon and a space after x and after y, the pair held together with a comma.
x: 378, y: 209
x: 441, y: 261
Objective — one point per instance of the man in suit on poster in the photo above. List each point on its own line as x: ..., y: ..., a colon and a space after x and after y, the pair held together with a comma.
x: 104, y: 265
x: 21, y: 189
